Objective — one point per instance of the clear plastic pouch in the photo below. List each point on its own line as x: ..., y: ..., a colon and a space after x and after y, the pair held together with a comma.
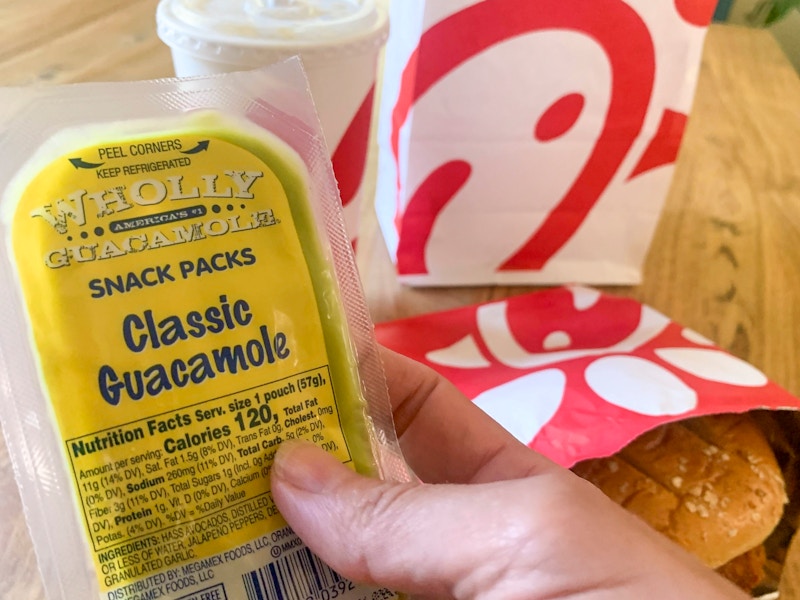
x: 178, y: 297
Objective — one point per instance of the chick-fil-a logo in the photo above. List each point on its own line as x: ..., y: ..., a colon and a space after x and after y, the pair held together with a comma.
x: 626, y: 42
x: 577, y: 374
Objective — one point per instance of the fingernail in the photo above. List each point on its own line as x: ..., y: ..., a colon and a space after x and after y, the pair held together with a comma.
x: 303, y: 465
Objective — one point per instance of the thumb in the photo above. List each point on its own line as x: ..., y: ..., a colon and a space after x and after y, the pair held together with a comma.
x: 433, y: 539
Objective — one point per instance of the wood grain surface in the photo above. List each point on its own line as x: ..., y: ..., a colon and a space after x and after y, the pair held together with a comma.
x: 725, y: 260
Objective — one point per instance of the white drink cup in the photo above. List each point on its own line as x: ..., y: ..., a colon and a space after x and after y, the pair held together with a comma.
x: 339, y: 42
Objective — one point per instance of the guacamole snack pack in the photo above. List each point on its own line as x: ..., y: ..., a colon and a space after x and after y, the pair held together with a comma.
x: 179, y: 298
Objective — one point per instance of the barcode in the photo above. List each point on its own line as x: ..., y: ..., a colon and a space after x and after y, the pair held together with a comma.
x: 296, y: 576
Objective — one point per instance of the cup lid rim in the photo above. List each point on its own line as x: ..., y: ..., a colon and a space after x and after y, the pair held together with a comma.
x: 174, y: 31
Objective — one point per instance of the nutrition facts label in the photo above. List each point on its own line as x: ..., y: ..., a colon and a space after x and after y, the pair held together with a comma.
x: 192, y: 476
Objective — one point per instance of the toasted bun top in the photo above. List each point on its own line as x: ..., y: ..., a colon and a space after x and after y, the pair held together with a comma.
x: 711, y: 484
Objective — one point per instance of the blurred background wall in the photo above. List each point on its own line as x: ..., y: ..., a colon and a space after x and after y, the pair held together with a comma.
x: 754, y: 13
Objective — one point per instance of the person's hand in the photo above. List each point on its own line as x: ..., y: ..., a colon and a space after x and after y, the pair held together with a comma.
x: 494, y: 520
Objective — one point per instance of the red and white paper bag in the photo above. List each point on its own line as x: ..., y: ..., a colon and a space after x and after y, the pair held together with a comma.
x: 532, y: 141
x: 577, y: 374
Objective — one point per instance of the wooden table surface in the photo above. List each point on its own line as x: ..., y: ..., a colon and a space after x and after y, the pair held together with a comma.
x: 725, y: 260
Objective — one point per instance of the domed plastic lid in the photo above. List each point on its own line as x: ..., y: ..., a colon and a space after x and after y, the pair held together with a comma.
x: 272, y: 24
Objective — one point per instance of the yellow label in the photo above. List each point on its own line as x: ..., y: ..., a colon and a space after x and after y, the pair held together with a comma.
x: 179, y: 338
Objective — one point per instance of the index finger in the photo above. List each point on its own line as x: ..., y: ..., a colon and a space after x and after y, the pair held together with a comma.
x: 444, y: 436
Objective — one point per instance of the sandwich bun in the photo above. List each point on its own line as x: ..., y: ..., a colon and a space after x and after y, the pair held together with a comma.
x: 711, y: 484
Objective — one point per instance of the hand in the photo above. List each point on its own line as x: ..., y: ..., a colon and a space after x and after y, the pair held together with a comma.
x: 494, y: 520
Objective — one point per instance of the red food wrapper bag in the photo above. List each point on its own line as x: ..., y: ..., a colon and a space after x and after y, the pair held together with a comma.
x: 576, y: 374
x: 532, y: 142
